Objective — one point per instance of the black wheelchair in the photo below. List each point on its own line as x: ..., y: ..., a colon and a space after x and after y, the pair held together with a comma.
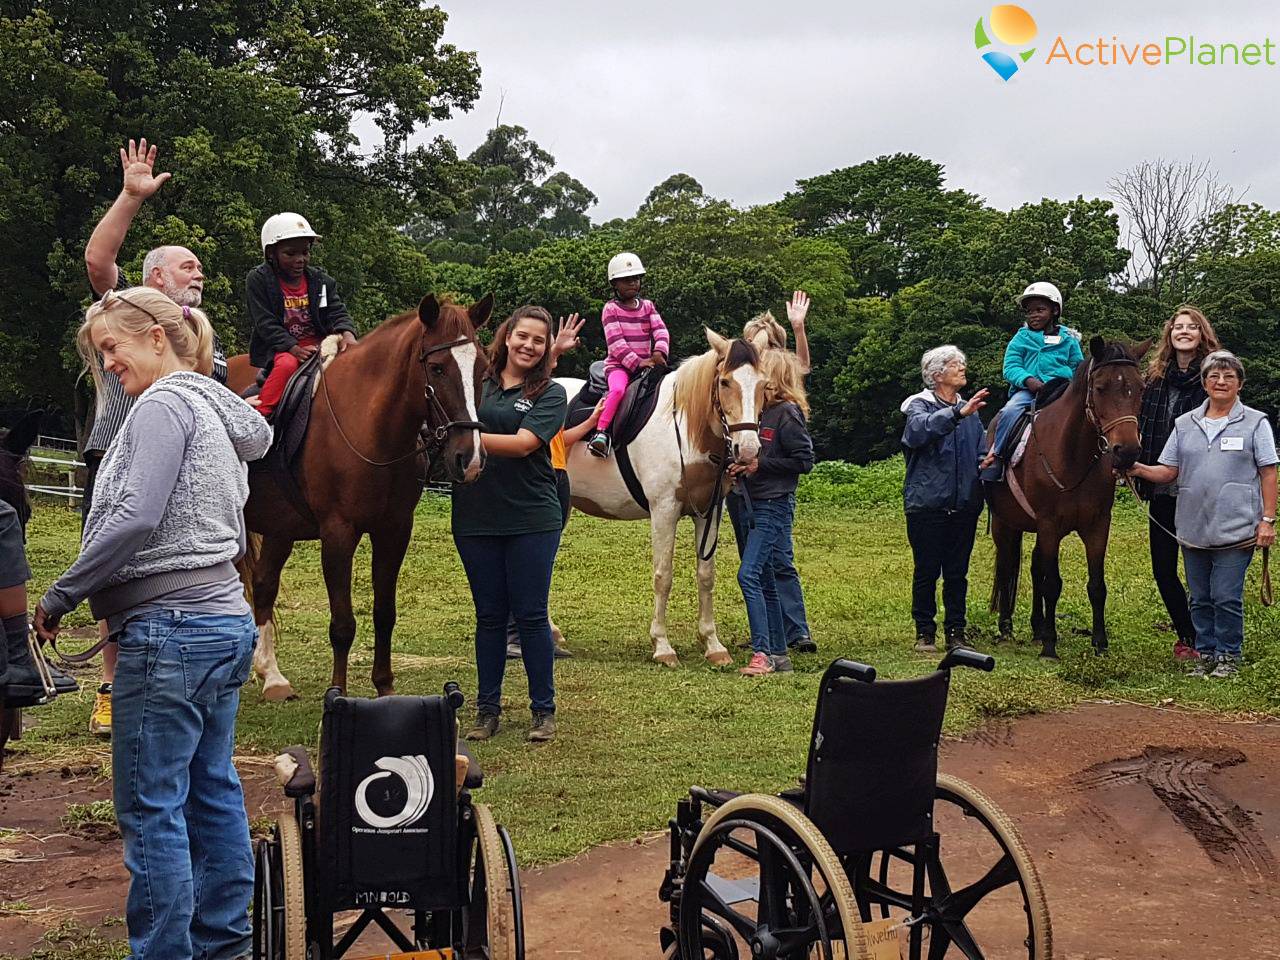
x: 853, y: 864
x: 391, y: 830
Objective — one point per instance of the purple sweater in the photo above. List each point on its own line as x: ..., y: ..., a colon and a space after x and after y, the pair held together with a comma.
x: 633, y: 335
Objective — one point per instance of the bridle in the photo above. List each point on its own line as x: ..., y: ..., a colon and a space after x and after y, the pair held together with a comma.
x: 715, y: 506
x: 1103, y: 429
x: 432, y: 439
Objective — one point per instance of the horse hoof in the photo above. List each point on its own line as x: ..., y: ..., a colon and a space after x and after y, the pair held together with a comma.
x: 278, y: 692
x: 667, y: 659
x: 721, y: 659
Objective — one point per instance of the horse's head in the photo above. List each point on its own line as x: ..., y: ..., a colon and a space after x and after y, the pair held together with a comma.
x: 1113, y: 398
x: 738, y: 394
x: 13, y: 453
x: 454, y: 365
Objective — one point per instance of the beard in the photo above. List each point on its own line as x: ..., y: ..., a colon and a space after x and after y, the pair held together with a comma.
x: 182, y: 296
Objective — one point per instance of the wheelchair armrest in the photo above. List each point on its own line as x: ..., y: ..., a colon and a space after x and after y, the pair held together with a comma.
x: 852, y: 670
x: 471, y: 776
x: 960, y: 657
x: 293, y: 771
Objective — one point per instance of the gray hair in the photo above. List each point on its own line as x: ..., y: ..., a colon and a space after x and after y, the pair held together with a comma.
x: 1219, y: 359
x: 155, y: 260
x: 935, y: 361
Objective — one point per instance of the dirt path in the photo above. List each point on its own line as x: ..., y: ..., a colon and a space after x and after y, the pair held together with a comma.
x: 1156, y: 834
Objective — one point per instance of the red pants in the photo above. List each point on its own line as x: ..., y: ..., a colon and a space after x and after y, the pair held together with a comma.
x: 283, y: 367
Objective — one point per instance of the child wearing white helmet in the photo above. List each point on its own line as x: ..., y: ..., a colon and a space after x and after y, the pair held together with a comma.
x: 292, y: 305
x: 636, y: 339
x: 1042, y: 350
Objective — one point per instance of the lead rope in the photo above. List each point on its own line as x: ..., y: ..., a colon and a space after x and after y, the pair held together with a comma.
x: 1264, y: 591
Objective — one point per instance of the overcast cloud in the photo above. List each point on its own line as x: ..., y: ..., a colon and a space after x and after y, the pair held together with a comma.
x: 750, y: 96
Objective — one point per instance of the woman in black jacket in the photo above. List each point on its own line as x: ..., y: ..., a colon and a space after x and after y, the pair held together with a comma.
x: 943, y: 442
x: 1173, y: 388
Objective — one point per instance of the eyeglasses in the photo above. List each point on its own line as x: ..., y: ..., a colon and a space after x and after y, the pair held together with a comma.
x: 1222, y: 376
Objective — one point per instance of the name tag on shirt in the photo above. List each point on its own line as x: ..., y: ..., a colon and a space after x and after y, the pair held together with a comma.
x: 1053, y: 340
x: 1233, y: 443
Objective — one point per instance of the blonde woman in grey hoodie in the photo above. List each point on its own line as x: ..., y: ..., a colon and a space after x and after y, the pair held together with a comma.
x: 157, y: 563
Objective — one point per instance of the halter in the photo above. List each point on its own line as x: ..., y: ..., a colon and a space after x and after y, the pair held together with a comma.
x: 433, y: 438
x: 1104, y: 442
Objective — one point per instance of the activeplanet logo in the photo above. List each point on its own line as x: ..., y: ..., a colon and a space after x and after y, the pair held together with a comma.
x: 419, y: 787
x: 1014, y: 28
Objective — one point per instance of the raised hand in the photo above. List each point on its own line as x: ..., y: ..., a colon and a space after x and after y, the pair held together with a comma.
x: 138, y: 162
x: 976, y: 403
x: 798, y: 308
x: 567, y: 334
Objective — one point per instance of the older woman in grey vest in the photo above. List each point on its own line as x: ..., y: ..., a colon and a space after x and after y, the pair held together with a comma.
x: 1223, y: 457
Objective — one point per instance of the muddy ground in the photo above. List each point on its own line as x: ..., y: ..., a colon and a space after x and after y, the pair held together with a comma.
x: 1155, y: 832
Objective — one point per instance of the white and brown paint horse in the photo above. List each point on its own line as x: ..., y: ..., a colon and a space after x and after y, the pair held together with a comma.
x: 707, y: 409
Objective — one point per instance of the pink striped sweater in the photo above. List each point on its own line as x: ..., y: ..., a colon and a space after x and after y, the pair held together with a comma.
x: 631, y: 336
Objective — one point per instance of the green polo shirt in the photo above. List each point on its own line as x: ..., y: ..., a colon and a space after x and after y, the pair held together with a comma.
x: 514, y: 494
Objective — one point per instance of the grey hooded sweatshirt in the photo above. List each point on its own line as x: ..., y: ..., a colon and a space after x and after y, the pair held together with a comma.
x: 167, y: 522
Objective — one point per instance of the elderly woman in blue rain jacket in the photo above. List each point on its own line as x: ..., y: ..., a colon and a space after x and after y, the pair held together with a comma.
x: 943, y: 442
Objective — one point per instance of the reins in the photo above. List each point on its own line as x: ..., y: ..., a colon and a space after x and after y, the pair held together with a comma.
x: 438, y: 436
x: 1264, y: 591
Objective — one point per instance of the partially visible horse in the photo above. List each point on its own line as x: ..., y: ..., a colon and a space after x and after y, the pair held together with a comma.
x: 707, y: 413
x: 361, y: 470
x: 13, y: 491
x: 1064, y: 483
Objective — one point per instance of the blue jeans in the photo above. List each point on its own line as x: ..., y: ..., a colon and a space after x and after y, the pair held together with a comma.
x: 1018, y: 401
x: 511, y: 576
x: 767, y: 572
x: 784, y: 585
x: 1215, y: 579
x: 177, y: 797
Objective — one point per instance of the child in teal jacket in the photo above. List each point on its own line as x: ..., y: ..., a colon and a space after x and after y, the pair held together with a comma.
x: 1041, y: 351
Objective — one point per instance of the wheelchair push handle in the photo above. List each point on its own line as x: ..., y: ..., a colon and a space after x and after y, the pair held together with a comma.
x: 852, y: 669
x: 961, y: 657
x: 453, y: 695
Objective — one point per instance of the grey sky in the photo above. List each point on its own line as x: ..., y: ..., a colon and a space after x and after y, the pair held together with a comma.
x: 751, y: 95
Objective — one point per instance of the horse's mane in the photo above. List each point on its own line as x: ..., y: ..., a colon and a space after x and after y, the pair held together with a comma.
x: 695, y: 383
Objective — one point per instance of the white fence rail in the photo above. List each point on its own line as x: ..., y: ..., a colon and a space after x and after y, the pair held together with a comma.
x: 68, y: 468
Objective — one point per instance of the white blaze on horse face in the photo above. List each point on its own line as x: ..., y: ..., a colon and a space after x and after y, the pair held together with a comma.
x: 747, y: 442
x: 464, y: 355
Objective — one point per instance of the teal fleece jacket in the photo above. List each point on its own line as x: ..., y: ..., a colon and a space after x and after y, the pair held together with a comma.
x: 1028, y: 355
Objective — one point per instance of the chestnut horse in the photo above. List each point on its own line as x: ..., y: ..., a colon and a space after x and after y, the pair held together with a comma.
x: 1065, y: 482
x: 361, y: 471
x: 707, y: 413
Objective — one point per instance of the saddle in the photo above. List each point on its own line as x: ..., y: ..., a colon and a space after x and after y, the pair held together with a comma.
x: 289, y: 424
x: 637, y: 406
x: 1016, y: 441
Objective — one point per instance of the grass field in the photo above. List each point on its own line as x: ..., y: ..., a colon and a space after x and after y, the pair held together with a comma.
x: 634, y: 735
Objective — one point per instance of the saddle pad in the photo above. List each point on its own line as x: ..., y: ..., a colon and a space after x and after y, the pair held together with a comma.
x: 1021, y: 448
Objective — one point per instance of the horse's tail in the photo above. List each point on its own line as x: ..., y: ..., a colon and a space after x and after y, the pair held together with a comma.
x: 1008, y: 565
x: 248, y: 563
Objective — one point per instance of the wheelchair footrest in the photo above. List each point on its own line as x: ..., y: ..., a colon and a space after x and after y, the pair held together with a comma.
x: 445, y: 954
x: 735, y: 891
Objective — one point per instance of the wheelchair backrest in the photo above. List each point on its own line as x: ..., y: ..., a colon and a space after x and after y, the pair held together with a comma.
x: 388, y: 809
x: 873, y: 759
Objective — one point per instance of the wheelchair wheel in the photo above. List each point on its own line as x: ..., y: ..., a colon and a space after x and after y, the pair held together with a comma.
x: 983, y: 896
x: 777, y: 889
x: 279, y: 905
x: 492, y: 932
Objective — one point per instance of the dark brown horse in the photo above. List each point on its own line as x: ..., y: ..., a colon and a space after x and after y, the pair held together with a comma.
x: 1065, y: 483
x: 13, y: 491
x: 361, y: 471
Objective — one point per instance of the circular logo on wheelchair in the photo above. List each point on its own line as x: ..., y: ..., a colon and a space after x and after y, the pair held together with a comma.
x: 524, y: 404
x: 397, y: 794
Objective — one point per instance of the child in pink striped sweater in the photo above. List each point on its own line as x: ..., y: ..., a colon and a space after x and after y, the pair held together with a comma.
x: 636, y: 339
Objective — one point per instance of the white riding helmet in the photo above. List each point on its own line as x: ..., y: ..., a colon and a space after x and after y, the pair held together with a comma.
x: 625, y: 265
x: 1042, y: 289
x: 286, y: 226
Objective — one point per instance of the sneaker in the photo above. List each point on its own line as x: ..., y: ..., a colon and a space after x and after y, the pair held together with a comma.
x: 781, y: 663
x: 100, y: 717
x: 1228, y: 666
x: 487, y: 725
x: 544, y: 727
x: 600, y: 445
x: 759, y: 666
x: 1184, y: 650
x: 803, y: 645
x: 1205, y: 664
x: 513, y: 651
x: 955, y: 639
x: 926, y: 642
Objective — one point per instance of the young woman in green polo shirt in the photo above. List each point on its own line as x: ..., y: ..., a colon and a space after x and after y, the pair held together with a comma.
x: 507, y: 524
